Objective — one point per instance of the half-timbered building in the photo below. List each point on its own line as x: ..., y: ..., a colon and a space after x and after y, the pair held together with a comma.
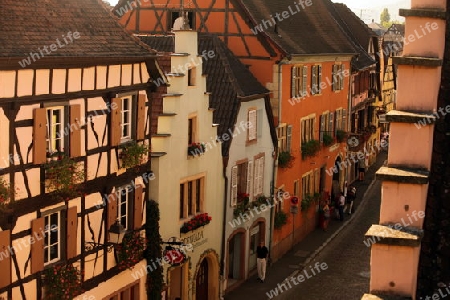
x: 75, y: 89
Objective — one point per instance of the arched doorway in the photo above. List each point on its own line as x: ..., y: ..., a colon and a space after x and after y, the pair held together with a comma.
x: 201, y: 282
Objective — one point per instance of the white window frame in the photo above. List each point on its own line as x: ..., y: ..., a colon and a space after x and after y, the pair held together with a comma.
x: 53, y: 133
x: 128, y: 135
x: 48, y: 230
x: 124, y: 193
x: 252, y: 131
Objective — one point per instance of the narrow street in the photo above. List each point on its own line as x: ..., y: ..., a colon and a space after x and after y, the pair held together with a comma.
x: 347, y: 258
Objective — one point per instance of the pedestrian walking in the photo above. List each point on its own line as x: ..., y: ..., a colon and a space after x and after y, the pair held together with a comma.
x: 325, y: 214
x: 341, y: 206
x: 351, y: 196
x: 262, y: 254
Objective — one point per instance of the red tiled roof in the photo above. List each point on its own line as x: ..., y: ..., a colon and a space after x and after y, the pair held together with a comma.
x: 30, y: 25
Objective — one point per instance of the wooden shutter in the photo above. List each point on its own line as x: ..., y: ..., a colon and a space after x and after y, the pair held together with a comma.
x: 288, y: 138
x: 234, y: 185
x: 316, y: 181
x: 344, y: 120
x: 304, y: 80
x: 140, y: 117
x: 314, y: 80
x: 37, y: 248
x: 322, y: 127
x: 5, y: 258
x: 330, y: 124
x: 72, y: 232
x: 260, y: 175
x: 75, y: 130
x: 112, y: 210
x: 311, y: 183
x: 116, y: 120
x: 319, y: 79
x: 39, y: 136
x: 333, y: 85
x: 293, y: 82
x: 249, y: 178
x: 341, y: 77
x: 138, y: 206
x: 253, y: 125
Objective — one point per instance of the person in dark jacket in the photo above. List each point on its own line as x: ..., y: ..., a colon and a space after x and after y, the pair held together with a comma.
x: 262, y: 254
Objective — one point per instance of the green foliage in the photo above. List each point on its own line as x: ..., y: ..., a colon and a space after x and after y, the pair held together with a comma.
x: 308, y: 200
x: 385, y: 18
x: 327, y: 140
x: 153, y: 251
x: 310, y: 148
x: 130, y: 252
x: 280, y: 219
x: 6, y: 192
x: 62, y: 282
x: 196, y: 149
x: 285, y: 159
x: 63, y: 175
x: 340, y: 135
x: 133, y: 154
x: 196, y: 222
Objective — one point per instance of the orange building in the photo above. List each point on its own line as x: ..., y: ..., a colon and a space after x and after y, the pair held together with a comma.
x: 307, y: 72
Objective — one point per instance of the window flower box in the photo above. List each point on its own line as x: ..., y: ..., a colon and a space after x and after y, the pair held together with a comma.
x: 285, y: 159
x: 195, y: 149
x: 132, y: 154
x: 310, y: 148
x: 196, y: 222
x: 63, y: 175
x: 130, y: 251
x: 62, y: 282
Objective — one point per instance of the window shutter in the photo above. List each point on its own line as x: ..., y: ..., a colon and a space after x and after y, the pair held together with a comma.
x: 72, y: 232
x: 308, y: 130
x: 116, y: 119
x: 334, y: 83
x: 253, y: 125
x: 288, y: 138
x: 311, y: 183
x: 37, y: 248
x: 319, y: 79
x: 138, y: 206
x: 39, y: 136
x: 330, y: 124
x: 293, y: 82
x: 259, y: 119
x: 140, y: 117
x: 316, y: 181
x: 344, y: 120
x: 256, y: 178
x: 261, y: 176
x: 249, y: 178
x: 112, y: 210
x: 341, y: 77
x: 75, y: 130
x: 322, y: 126
x: 234, y: 171
x: 304, y: 80
x: 5, y: 261
x: 314, y: 80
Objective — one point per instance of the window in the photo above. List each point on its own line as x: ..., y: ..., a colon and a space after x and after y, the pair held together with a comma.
x: 316, y: 181
x: 127, y: 117
x: 296, y: 187
x: 243, y: 175
x: 125, y: 196
x: 127, y: 293
x: 326, y: 125
x: 284, y: 133
x: 307, y: 184
x: 341, y: 118
x: 52, y: 237
x: 55, y: 130
x: 191, y: 197
x: 191, y: 77
x: 307, y: 129
x: 258, y: 184
x: 192, y: 130
x: 338, y: 77
x: 316, y: 79
x: 299, y: 79
x: 252, y: 125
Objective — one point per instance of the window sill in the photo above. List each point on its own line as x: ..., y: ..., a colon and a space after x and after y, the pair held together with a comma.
x: 252, y: 142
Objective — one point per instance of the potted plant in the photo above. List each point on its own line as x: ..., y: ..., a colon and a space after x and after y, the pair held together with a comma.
x: 327, y: 139
x: 280, y: 219
x: 340, y: 135
x: 285, y: 159
x: 196, y: 222
x: 310, y: 148
x: 63, y: 175
x: 196, y: 149
x: 62, y: 282
x: 130, y: 251
x: 132, y: 154
x: 6, y: 205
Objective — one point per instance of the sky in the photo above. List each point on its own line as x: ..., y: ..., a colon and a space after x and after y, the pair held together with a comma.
x: 365, y: 9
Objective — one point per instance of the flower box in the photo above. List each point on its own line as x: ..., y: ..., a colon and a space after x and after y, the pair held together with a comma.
x: 196, y: 222
x: 195, y: 149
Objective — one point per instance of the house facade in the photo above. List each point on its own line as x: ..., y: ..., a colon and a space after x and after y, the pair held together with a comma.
x: 189, y: 183
x: 74, y: 105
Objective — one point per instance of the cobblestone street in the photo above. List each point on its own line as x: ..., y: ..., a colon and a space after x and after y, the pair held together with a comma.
x: 347, y: 257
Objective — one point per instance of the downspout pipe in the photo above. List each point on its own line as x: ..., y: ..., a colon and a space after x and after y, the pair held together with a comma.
x: 224, y: 224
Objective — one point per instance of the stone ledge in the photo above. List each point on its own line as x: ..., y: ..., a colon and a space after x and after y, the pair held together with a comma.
x: 406, y: 236
x: 161, y: 135
x: 175, y: 74
x: 384, y: 297
x: 417, y: 61
x: 398, y: 116
x: 403, y: 175
x: 180, y: 54
x: 157, y: 154
x: 434, y: 13
x: 171, y: 95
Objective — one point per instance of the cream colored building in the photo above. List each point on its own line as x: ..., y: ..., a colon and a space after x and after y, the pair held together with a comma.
x: 186, y: 185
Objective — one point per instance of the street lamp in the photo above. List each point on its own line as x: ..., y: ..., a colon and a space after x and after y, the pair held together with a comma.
x: 115, y: 236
